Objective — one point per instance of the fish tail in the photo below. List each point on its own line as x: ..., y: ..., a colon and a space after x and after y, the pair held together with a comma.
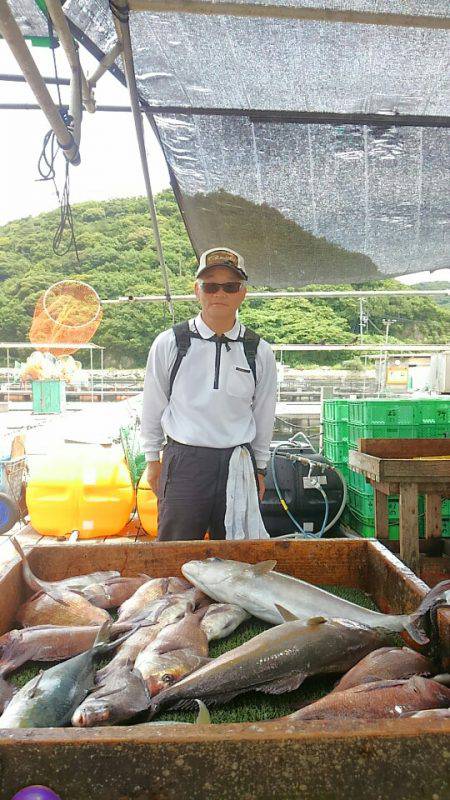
x: 34, y: 582
x: 437, y: 596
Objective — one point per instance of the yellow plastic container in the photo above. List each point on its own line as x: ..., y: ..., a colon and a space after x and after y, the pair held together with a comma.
x: 84, y: 488
x: 147, y: 507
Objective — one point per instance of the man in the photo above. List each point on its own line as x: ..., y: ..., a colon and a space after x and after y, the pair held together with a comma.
x: 210, y: 386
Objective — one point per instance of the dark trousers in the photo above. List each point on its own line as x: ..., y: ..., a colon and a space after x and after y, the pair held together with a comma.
x: 192, y: 492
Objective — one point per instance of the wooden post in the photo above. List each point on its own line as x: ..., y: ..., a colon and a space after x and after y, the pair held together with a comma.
x: 433, y: 515
x: 381, y: 515
x: 409, y: 526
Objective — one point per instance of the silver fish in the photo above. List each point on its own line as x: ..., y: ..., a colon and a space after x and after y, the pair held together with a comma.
x: 258, y: 589
x: 49, y: 699
x: 112, y: 592
x: 277, y: 660
x: 221, y: 619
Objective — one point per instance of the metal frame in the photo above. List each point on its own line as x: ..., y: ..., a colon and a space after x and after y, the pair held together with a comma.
x: 288, y: 12
x: 61, y: 346
x: 157, y: 298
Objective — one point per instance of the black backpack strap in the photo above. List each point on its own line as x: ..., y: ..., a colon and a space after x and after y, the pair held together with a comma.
x: 183, y: 341
x: 250, y: 342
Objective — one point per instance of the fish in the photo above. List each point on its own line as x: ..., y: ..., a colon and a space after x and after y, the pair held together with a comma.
x: 387, y: 663
x: 260, y: 590
x: 379, y: 700
x: 114, y: 591
x: 70, y: 609
x: 48, y: 643
x: 123, y: 696
x: 178, y: 650
x: 75, y: 583
x: 221, y: 619
x: 159, y: 613
x: 49, y: 699
x: 6, y: 693
x: 276, y: 661
x: 153, y: 589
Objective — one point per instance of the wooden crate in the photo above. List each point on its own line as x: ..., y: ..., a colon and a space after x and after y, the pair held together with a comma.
x: 406, y: 759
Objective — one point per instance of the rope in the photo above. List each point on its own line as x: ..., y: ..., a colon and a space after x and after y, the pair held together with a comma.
x: 46, y: 168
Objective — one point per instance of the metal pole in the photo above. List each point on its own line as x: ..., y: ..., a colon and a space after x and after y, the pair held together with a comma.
x: 7, y: 375
x: 157, y: 298
x: 120, y: 13
x: 64, y: 107
x: 21, y: 79
x: 289, y: 12
x: 10, y: 31
x: 102, y: 378
x: 92, y: 375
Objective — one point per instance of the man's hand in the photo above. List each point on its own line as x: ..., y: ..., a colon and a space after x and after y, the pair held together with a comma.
x: 153, y: 473
x: 261, y: 486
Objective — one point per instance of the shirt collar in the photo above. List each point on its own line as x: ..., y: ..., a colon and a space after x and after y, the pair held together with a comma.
x: 206, y: 332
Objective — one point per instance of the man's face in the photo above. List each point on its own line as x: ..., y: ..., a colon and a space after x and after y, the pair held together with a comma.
x: 220, y: 303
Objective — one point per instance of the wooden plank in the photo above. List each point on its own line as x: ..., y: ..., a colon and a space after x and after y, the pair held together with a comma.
x: 381, y: 515
x: 368, y: 465
x: 393, y: 586
x: 404, y: 448
x: 329, y: 561
x: 399, y: 469
x: 394, y: 488
x: 409, y: 525
x: 433, y: 515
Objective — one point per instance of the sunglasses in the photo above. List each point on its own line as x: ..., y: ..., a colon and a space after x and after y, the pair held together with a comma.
x: 232, y: 287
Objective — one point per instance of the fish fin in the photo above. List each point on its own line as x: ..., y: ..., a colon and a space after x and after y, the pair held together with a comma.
x: 262, y: 568
x: 289, y: 683
x: 32, y: 690
x: 316, y: 620
x: 287, y: 615
x: 437, y: 596
x: 203, y: 716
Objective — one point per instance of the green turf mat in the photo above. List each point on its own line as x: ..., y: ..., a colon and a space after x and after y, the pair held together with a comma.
x: 254, y: 706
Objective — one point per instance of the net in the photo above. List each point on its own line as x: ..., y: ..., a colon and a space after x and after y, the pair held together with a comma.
x: 69, y: 312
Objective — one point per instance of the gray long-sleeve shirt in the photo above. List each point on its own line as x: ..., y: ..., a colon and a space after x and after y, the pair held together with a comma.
x: 197, y: 413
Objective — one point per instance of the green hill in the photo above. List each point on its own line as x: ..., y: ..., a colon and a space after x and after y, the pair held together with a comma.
x: 118, y: 257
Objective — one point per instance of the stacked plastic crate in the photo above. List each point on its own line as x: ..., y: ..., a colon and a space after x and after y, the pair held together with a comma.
x: 380, y: 419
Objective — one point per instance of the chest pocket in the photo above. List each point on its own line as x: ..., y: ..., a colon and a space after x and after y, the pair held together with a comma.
x: 240, y: 382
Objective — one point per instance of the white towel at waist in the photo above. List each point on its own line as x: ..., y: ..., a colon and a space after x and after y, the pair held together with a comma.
x: 243, y: 518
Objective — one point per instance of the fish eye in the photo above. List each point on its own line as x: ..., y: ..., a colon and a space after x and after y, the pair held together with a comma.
x: 169, y: 679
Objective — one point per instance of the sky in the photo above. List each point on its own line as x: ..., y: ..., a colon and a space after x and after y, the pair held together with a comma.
x: 102, y: 174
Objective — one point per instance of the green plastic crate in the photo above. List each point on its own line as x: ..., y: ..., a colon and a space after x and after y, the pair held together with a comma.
x: 381, y: 412
x: 432, y: 411
x: 335, y: 410
x: 366, y: 526
x: 435, y: 431
x: 446, y: 527
x: 335, y: 431
x: 445, y: 508
x: 364, y: 505
x: 358, y: 482
x: 337, y: 452
x: 366, y: 431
